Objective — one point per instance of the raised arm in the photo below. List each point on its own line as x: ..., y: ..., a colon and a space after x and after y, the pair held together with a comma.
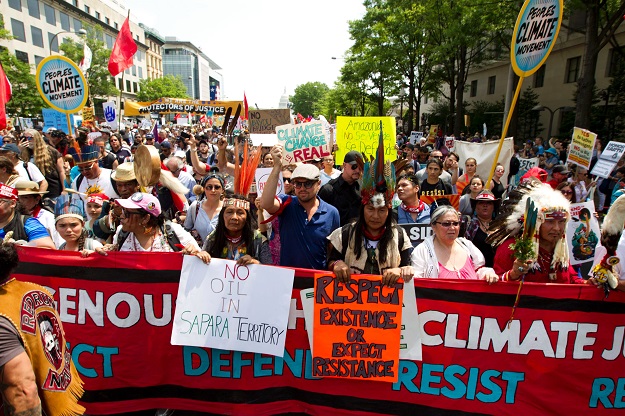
x: 268, y: 201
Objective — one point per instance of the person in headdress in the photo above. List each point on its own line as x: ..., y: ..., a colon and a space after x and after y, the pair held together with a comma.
x: 550, y: 260
x: 373, y: 243
x: 607, y: 270
x: 92, y: 178
x: 70, y: 224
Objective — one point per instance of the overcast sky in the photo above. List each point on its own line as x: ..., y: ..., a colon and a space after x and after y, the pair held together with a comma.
x: 263, y: 46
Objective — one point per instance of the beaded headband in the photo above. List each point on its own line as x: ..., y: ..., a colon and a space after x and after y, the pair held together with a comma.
x: 237, y: 203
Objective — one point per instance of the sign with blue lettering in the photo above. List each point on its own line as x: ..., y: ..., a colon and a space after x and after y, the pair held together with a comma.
x: 56, y: 119
x: 62, y: 84
x: 535, y: 33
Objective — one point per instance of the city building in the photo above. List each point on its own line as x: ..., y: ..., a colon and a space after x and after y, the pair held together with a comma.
x: 555, y: 81
x: 154, y: 54
x: 198, y: 72
x: 39, y: 26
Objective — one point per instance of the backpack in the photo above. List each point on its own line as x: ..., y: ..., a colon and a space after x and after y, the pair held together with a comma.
x: 172, y: 238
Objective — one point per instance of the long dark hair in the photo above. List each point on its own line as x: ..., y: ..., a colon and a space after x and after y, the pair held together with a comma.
x: 383, y: 243
x: 219, y: 236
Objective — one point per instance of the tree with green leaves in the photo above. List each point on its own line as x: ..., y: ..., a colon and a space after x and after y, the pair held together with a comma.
x: 603, y: 17
x: 25, y: 99
x: 308, y: 98
x: 168, y: 86
x: 101, y: 84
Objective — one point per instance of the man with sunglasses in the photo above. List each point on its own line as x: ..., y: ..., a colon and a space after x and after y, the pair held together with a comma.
x: 343, y: 192
x: 305, y: 219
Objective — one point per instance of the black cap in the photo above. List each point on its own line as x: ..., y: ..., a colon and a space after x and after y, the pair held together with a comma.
x: 352, y: 157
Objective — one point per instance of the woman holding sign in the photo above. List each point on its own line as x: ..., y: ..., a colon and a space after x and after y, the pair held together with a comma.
x: 373, y: 244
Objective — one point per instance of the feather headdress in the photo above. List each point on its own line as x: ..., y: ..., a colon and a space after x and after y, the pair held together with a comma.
x: 550, y: 204
x: 378, y: 180
x: 244, y: 172
x: 611, y: 231
x: 84, y: 154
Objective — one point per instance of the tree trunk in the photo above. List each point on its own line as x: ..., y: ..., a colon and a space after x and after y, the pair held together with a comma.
x: 462, y: 67
x: 411, y: 99
x: 586, y: 82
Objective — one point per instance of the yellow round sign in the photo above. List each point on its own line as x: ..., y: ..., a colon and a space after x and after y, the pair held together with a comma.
x: 62, y: 84
x: 535, y: 33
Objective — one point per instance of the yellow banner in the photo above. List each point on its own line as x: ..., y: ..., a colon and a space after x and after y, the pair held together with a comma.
x: 177, y: 105
x: 362, y: 134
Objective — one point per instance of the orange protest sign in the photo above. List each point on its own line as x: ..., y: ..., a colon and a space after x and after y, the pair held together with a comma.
x: 356, y: 328
x: 453, y: 200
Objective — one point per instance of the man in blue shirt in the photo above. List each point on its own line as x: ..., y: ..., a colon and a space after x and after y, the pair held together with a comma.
x: 27, y: 229
x: 305, y: 219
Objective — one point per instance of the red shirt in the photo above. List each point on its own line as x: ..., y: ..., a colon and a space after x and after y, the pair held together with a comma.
x: 505, y: 259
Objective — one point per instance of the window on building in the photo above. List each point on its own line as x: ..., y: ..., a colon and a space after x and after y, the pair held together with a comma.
x: 109, y: 41
x: 38, y: 59
x: 87, y: 9
x: 50, y: 14
x: 572, y: 69
x: 64, y: 21
x: 77, y: 25
x: 473, y: 88
x: 17, y: 28
x: 116, y: 25
x: 107, y: 20
x: 128, y: 85
x: 134, y: 70
x: 140, y: 72
x: 425, y: 99
x: 120, y: 83
x: 97, y: 15
x: 53, y: 41
x: 16, y: 4
x: 616, y: 61
x: 127, y: 71
x: 33, y: 8
x: 22, y: 56
x: 491, y: 85
x: 75, y: 3
x: 37, y: 36
x: 137, y: 38
x: 134, y: 87
x: 539, y: 77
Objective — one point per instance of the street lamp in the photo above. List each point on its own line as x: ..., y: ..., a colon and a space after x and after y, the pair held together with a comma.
x: 80, y: 32
x: 551, y: 114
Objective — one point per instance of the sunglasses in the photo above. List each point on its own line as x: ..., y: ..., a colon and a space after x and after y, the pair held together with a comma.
x: 287, y: 180
x: 85, y: 168
x: 213, y: 187
x: 128, y: 213
x: 307, y: 184
x: 448, y: 224
x: 567, y: 192
x: 354, y: 166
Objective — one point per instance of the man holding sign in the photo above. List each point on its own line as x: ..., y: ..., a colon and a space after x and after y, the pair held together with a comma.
x: 305, y: 219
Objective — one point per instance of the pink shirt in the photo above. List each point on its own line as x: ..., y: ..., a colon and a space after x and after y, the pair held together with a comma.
x: 467, y: 272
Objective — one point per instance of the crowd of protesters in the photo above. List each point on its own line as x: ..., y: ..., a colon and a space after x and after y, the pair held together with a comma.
x: 80, y: 193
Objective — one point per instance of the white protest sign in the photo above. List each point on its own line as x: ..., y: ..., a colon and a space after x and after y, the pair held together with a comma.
x: 608, y: 159
x: 450, y: 143
x: 415, y: 137
x: 303, y: 142
x: 110, y: 114
x: 582, y: 233
x: 231, y: 307
x: 410, y: 347
x: 261, y: 178
x: 182, y: 121
x: 146, y: 124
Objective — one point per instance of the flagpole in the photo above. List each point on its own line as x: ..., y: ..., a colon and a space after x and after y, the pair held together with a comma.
x: 119, y: 105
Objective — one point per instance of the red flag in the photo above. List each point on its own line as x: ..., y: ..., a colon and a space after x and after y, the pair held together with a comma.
x: 5, y: 96
x: 123, y: 50
x: 245, y: 114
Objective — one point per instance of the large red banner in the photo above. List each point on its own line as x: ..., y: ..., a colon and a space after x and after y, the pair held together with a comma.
x: 562, y: 354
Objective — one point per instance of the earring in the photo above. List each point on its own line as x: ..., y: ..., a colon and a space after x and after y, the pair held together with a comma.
x: 147, y: 230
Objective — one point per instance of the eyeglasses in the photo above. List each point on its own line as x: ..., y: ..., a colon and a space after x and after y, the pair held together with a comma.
x: 307, y: 184
x: 567, y: 192
x: 287, y: 180
x: 448, y: 224
x: 213, y: 187
x: 128, y: 213
x: 85, y: 168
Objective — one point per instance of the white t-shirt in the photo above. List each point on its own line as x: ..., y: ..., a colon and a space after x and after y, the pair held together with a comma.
x: 35, y: 173
x: 102, y: 184
x: 160, y: 243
